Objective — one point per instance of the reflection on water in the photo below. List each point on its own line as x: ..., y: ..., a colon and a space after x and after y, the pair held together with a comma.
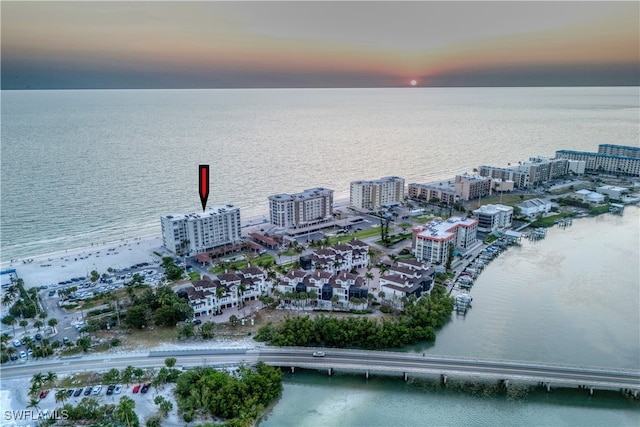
x: 572, y: 298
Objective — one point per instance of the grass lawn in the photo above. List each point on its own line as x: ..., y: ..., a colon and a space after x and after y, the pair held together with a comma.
x: 150, y: 337
x: 194, y: 275
x: 549, y: 221
x: 507, y: 199
x: 239, y: 265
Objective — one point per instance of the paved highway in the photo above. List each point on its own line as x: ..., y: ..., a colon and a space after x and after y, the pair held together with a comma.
x: 389, y: 362
x: 345, y: 360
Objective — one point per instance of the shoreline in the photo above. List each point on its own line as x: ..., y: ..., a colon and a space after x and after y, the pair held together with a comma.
x: 69, y: 254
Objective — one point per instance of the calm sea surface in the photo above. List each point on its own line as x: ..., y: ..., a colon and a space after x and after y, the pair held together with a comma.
x: 89, y: 166
x: 93, y: 166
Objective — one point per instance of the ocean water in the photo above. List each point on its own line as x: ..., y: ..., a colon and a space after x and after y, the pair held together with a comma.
x: 85, y: 166
x: 91, y: 166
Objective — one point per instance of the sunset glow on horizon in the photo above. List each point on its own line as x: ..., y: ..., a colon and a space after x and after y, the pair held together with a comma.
x: 315, y: 44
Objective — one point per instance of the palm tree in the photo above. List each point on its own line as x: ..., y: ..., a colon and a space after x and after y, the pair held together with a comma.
x: 61, y: 395
x: 50, y: 378
x: 368, y: 276
x: 24, y: 324
x: 33, y: 403
x: 38, y: 324
x: 52, y: 323
x: 10, y: 320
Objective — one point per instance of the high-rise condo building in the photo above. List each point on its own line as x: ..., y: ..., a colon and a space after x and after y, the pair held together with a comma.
x: 192, y: 233
x: 377, y: 193
x: 431, y: 242
x: 298, y: 210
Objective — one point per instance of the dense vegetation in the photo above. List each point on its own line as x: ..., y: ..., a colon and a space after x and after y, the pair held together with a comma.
x: 205, y: 392
x: 417, y: 323
x: 163, y: 307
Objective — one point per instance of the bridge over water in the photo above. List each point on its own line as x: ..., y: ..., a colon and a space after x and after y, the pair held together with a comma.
x: 416, y: 364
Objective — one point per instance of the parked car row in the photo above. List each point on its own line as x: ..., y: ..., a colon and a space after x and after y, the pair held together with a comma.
x: 96, y: 390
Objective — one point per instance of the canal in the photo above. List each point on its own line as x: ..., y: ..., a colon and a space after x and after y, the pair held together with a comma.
x: 570, y: 298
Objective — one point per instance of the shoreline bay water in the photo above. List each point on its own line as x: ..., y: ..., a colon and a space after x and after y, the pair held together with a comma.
x: 99, y: 153
x: 110, y: 163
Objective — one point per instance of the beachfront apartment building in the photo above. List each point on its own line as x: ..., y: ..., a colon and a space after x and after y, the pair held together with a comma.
x: 544, y: 169
x: 431, y: 241
x: 377, y: 193
x: 493, y: 217
x: 297, y: 210
x: 519, y: 178
x: 469, y: 187
x: 619, y: 150
x: 404, y: 280
x: 610, y: 163
x: 193, y: 233
x: 443, y: 191
x: 210, y: 296
x: 537, y: 170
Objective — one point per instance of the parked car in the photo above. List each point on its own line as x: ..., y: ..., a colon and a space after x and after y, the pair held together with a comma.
x: 44, y: 394
x: 136, y: 388
x: 87, y: 391
x: 66, y: 340
x: 17, y: 343
x: 13, y: 356
x: 145, y: 388
x: 197, y: 321
x: 23, y: 354
x: 117, y: 390
x: 78, y: 392
x: 70, y: 392
x: 38, y: 337
x: 110, y: 390
x: 96, y: 390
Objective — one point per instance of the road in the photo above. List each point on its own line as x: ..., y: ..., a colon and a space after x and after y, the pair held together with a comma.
x: 346, y: 360
x: 389, y: 362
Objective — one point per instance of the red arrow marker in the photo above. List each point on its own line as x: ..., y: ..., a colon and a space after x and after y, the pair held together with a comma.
x: 203, y: 173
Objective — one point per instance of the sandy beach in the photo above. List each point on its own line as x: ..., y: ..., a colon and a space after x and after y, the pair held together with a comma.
x: 52, y: 268
x: 60, y: 266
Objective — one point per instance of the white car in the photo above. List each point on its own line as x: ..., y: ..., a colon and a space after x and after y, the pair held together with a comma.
x: 96, y: 390
x: 318, y: 354
x: 17, y: 343
x: 23, y: 354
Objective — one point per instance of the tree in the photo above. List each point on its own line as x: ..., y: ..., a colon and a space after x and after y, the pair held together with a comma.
x: 9, y: 320
x: 170, y: 362
x: 165, y: 405
x: 61, y: 395
x: 50, y: 378
x: 112, y: 376
x: 233, y: 319
x: 95, y: 276
x: 38, y: 324
x: 34, y: 403
x: 334, y: 300
x: 207, y: 330
x: 127, y: 375
x: 24, y: 324
x: 137, y: 316
x: 449, y: 257
x: 124, y: 412
x: 187, y: 329
x: 84, y: 343
x: 52, y: 323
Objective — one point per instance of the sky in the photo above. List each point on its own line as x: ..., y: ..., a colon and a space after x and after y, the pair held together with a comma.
x: 246, y: 44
